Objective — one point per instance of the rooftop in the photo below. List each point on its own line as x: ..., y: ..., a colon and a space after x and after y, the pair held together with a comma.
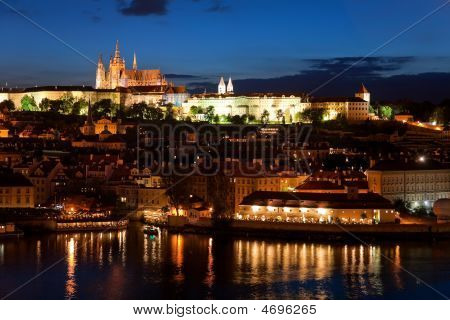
x: 403, y: 165
x: 317, y: 200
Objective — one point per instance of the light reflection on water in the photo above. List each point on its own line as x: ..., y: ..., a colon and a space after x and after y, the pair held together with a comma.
x: 132, y: 265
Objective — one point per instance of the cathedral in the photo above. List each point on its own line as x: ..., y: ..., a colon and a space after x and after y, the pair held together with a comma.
x: 119, y: 76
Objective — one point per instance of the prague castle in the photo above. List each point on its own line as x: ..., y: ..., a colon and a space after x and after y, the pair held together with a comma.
x: 226, y: 102
x: 119, y: 76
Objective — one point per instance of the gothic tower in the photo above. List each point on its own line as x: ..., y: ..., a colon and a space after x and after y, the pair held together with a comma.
x: 230, y: 86
x: 363, y: 93
x: 134, y: 62
x: 222, y: 87
x: 101, y: 74
x: 116, y: 66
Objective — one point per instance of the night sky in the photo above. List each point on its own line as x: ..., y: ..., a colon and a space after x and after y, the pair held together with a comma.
x: 269, y: 45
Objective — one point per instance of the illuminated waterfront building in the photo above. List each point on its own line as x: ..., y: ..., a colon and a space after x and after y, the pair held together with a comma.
x: 419, y: 182
x: 353, y: 207
x: 16, y: 191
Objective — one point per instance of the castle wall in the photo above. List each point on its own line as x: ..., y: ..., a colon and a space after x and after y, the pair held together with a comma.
x: 249, y: 105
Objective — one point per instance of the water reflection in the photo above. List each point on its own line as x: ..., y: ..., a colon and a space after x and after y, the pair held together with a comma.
x: 131, y: 265
x: 71, y: 261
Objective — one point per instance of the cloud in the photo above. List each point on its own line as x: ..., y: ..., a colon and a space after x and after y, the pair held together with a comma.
x: 182, y: 76
x: 384, y: 76
x: 218, y: 6
x: 357, y: 66
x: 143, y: 7
x: 94, y: 15
x: 215, y: 5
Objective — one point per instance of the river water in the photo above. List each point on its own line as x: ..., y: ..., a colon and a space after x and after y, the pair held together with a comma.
x: 131, y: 265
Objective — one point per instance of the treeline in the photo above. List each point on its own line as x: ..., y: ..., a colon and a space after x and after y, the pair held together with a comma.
x: 104, y: 108
x: 421, y: 111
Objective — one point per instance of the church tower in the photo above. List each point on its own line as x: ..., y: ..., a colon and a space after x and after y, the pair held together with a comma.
x: 230, y: 88
x: 134, y: 62
x: 116, y: 66
x: 222, y: 87
x: 101, y: 74
x: 363, y: 93
x: 89, y: 127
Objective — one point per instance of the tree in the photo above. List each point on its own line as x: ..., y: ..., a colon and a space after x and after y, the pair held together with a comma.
x: 176, y: 190
x: 138, y: 110
x: 79, y: 107
x: 402, y: 206
x: 216, y: 119
x: 102, y: 108
x: 169, y: 112
x: 28, y: 103
x: 45, y: 105
x: 6, y: 106
x: 237, y: 119
x: 444, y: 113
x: 67, y: 102
x: 313, y: 115
x: 280, y: 115
x: 219, y: 189
x: 155, y: 114
x: 265, y: 117
x: 193, y: 110
x: 209, y: 114
x: 385, y: 112
x: 56, y: 106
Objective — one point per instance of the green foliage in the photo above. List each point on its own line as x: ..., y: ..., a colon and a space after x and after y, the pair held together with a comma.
x: 169, y: 112
x: 155, y: 114
x: 209, y: 114
x: 137, y: 110
x: 80, y: 107
x: 237, y: 119
x: 313, y: 115
x: 402, y: 206
x: 6, y: 106
x: 56, y: 106
x: 251, y: 118
x: 385, y: 112
x: 219, y: 188
x: 67, y: 102
x: 45, y: 105
x: 422, y: 211
x: 265, y: 117
x: 103, y: 108
x: 280, y: 115
x: 28, y: 103
x: 197, y: 110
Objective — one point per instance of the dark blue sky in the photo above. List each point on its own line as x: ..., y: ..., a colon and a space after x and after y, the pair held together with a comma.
x: 208, y: 38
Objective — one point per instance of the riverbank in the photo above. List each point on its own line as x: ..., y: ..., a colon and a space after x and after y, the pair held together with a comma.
x: 315, y: 231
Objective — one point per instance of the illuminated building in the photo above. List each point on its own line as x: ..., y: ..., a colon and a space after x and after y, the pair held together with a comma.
x: 280, y: 107
x: 118, y: 76
x: 44, y: 176
x: 418, y: 182
x: 364, y: 208
x: 16, y: 191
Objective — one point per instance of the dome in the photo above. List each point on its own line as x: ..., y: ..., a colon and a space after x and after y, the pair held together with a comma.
x: 441, y: 209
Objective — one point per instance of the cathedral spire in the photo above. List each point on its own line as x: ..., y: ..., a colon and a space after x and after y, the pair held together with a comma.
x: 222, y: 89
x: 117, y: 53
x: 134, y: 62
x: 230, y: 88
x: 100, y: 60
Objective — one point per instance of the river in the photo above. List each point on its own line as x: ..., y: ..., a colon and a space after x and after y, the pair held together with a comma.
x: 131, y: 265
